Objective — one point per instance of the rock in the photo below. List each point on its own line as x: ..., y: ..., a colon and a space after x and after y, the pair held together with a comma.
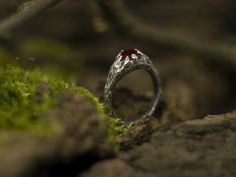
x: 203, y: 127
x: 23, y: 154
x: 139, y: 133
x: 84, y: 129
x: 79, y: 143
x: 112, y: 168
x: 194, y: 148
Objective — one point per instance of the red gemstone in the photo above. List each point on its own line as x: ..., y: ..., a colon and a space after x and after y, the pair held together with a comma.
x: 128, y: 53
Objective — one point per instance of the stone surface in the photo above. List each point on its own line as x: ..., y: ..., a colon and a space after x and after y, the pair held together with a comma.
x: 196, y: 148
x: 78, y: 145
x: 112, y: 168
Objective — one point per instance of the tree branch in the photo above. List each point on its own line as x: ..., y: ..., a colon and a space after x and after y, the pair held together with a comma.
x: 25, y: 13
x: 122, y: 21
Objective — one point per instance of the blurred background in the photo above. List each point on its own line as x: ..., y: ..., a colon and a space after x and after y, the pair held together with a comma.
x: 191, y: 42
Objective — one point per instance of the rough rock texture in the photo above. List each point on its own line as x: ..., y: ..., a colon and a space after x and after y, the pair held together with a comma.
x: 204, y: 147
x: 78, y: 144
x: 112, y: 168
x: 139, y: 133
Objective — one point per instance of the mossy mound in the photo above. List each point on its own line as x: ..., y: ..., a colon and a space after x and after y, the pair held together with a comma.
x: 26, y: 96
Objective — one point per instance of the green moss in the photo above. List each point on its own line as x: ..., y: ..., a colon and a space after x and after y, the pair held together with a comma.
x: 20, y: 112
x: 116, y: 126
x: 18, y: 109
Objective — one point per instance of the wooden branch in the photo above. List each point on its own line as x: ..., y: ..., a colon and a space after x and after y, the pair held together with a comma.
x: 25, y: 13
x: 121, y: 20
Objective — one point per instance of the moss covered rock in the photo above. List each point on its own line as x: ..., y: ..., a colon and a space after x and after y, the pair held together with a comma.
x: 45, y: 121
x: 26, y: 96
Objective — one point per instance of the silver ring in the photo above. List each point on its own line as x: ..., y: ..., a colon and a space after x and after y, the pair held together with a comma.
x: 126, y: 62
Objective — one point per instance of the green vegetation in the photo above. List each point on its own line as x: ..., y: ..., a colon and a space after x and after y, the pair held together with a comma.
x: 116, y: 126
x: 21, y: 111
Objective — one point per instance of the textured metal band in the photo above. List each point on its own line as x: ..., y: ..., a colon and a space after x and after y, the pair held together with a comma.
x: 125, y: 64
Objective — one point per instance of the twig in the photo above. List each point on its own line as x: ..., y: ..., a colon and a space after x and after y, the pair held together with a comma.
x: 122, y: 21
x: 26, y: 12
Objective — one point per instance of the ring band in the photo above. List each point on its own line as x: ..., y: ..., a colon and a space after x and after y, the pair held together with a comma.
x: 126, y: 62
